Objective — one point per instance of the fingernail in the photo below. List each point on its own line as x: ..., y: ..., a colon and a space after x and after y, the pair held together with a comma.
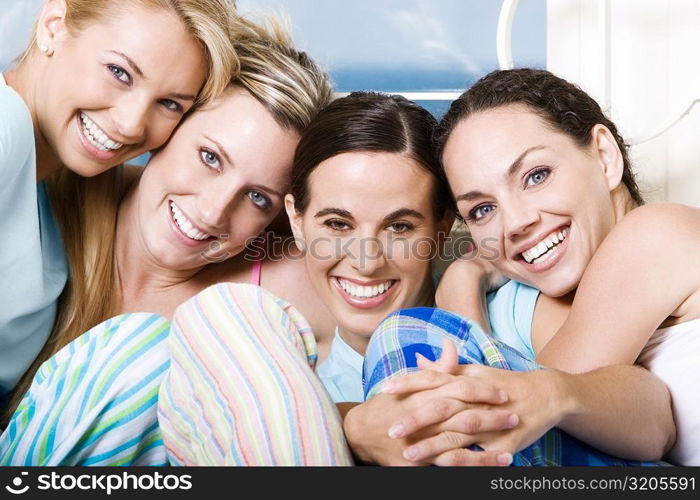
x: 420, y: 357
x: 513, y: 420
x: 410, y: 453
x: 503, y: 396
x: 504, y: 459
x: 396, y: 431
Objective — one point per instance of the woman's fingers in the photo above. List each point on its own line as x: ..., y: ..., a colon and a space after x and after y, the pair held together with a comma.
x: 416, y: 381
x: 459, y: 432
x: 465, y: 457
x: 451, y: 415
x: 448, y: 401
x: 463, y: 388
x: 431, y: 413
x: 477, y: 421
x: 436, y: 445
x: 450, y: 449
x: 472, y: 390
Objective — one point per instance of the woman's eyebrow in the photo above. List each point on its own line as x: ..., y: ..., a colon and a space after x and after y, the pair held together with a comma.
x: 220, y: 148
x: 471, y: 195
x: 514, y: 167
x: 132, y: 64
x: 403, y: 212
x: 135, y: 67
x: 184, y: 97
x: 334, y: 211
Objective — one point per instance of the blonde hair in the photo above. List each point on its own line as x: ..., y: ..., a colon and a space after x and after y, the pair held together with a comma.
x: 286, y: 81
x: 290, y: 86
x: 212, y: 22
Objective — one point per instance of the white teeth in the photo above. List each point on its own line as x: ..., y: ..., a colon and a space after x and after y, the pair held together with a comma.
x: 363, y: 292
x: 96, y: 136
x: 185, y: 225
x: 539, y: 251
x: 541, y: 247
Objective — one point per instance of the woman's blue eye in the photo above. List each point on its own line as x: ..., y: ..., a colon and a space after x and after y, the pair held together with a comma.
x: 480, y: 212
x: 210, y: 159
x: 260, y: 200
x: 119, y: 73
x: 537, y: 177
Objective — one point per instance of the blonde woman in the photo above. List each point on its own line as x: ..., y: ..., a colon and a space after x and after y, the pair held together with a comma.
x: 211, y: 190
x: 100, y: 83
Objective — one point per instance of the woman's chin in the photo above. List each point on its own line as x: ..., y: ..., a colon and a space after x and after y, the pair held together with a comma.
x: 359, y: 328
x: 557, y: 290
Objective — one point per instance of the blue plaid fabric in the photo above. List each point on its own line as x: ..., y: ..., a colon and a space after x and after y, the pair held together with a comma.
x: 392, y: 352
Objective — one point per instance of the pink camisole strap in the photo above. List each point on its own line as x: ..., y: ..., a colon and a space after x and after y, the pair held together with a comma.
x: 259, y: 246
x: 257, y: 272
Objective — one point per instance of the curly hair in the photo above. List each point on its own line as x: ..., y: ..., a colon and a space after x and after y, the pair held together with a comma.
x: 562, y: 105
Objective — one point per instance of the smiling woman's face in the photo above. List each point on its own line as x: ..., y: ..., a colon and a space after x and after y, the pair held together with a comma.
x: 115, y: 88
x: 534, y: 194
x: 369, y: 230
x: 218, y: 183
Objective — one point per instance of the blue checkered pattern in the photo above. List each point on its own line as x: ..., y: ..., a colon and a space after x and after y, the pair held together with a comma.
x: 392, y: 352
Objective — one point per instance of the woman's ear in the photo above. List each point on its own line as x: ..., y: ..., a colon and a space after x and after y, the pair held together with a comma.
x: 295, y: 222
x: 51, y: 27
x: 609, y: 155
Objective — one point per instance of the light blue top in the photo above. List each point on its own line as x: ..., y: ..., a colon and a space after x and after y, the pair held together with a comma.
x: 33, y: 268
x: 341, y: 372
x: 511, y: 309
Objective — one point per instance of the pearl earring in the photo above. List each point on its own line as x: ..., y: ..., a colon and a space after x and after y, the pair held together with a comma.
x: 46, y: 50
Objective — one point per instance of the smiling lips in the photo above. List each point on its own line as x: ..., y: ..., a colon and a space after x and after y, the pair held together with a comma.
x: 545, y: 247
x: 364, y: 296
x: 360, y: 292
x: 186, y: 227
x: 96, y: 136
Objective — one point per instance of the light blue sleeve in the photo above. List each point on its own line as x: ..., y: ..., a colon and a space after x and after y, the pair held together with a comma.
x: 16, y: 147
x: 511, y: 309
x: 32, y: 262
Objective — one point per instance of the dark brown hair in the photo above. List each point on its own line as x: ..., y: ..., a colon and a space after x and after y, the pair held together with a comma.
x: 375, y: 122
x: 561, y: 104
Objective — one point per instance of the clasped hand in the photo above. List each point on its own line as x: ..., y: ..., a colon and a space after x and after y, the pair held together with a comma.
x: 433, y: 416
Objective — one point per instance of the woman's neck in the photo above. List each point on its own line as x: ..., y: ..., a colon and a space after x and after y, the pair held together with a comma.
x: 359, y: 341
x: 140, y: 276
x: 622, y: 203
x: 24, y: 79
x: 426, y: 298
